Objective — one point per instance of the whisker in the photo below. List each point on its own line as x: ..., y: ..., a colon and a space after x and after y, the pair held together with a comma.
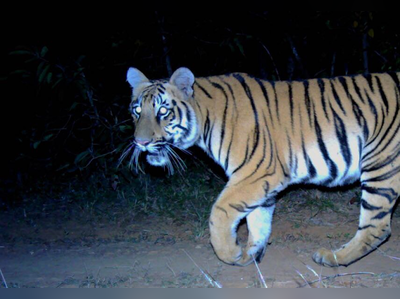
x: 183, y: 150
x: 176, y: 159
x: 134, y: 160
x: 168, y: 165
x: 125, y: 153
x: 138, y: 168
x: 179, y: 160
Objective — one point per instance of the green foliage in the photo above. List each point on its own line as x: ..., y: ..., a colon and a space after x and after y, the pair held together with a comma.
x: 76, y: 128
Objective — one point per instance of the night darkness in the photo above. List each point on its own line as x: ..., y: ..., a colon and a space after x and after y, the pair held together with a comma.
x: 72, y: 215
x: 65, y: 91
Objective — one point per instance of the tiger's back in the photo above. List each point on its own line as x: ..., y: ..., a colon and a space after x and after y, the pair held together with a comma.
x: 317, y: 128
x: 268, y: 135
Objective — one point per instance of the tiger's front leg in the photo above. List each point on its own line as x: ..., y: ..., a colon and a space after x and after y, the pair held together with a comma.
x: 236, y: 202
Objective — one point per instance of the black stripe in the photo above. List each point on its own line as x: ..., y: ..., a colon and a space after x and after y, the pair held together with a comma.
x: 206, y: 128
x: 343, y: 82
x: 356, y: 109
x: 321, y: 85
x: 209, y: 146
x: 395, y: 79
x: 265, y: 94
x: 223, y: 126
x: 376, y: 130
x: 307, y: 101
x: 388, y: 193
x: 366, y: 226
x: 233, y: 125
x: 342, y: 137
x: 382, y: 215
x: 282, y: 167
x: 271, y: 145
x: 382, y: 93
x: 228, y: 152
x: 385, y: 176
x: 291, y: 104
x: 337, y: 98
x: 222, y: 209
x: 254, y: 108
x: 189, y: 120
x: 358, y: 113
x: 369, y: 207
x: 243, y: 207
x: 379, y: 238
x: 357, y: 89
x: 384, y: 146
x: 371, y: 105
x: 360, y: 147
x: 276, y: 100
x: 258, y: 164
x: 270, y: 202
x: 179, y: 113
x: 262, y: 156
x: 388, y: 160
x: 203, y: 90
x: 180, y: 127
x: 331, y: 165
x: 310, y: 166
x: 360, y: 119
x: 368, y: 77
x: 290, y: 153
x: 245, y: 157
x: 233, y: 96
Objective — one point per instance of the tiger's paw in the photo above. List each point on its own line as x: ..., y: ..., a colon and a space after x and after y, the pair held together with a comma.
x: 251, y: 254
x: 326, y: 258
x: 241, y: 256
x: 231, y: 255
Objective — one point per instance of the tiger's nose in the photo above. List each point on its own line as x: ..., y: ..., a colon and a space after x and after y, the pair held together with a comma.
x: 142, y: 141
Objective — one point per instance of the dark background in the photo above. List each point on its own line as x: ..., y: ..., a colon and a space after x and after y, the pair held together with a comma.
x: 64, y: 96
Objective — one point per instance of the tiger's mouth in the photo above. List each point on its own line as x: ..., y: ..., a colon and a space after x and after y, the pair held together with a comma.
x: 156, y: 159
x: 159, y: 155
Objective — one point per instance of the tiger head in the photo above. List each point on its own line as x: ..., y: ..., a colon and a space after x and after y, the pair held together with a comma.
x: 164, y: 117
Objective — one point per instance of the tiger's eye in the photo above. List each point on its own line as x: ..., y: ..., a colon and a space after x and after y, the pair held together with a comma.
x: 138, y: 109
x: 163, y: 111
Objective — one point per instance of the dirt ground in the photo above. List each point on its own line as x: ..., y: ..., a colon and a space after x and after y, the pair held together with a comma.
x: 49, y: 249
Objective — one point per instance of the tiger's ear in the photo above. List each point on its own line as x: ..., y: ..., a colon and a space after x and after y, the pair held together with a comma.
x: 183, y: 78
x: 135, y: 77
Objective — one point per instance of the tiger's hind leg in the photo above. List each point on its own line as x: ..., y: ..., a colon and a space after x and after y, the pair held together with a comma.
x: 379, y: 194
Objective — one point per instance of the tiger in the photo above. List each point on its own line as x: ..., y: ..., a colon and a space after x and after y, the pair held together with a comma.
x: 267, y: 135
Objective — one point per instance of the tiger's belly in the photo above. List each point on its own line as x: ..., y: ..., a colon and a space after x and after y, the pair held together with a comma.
x: 329, y: 165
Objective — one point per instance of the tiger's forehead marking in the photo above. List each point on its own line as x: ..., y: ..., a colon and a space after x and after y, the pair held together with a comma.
x: 155, y: 93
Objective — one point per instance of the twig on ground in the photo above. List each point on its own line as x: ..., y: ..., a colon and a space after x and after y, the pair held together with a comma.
x: 301, y: 275
x: 312, y: 270
x: 208, y: 277
x: 389, y: 256
x: 334, y: 276
x: 4, y: 280
x: 170, y: 268
x: 260, y: 276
